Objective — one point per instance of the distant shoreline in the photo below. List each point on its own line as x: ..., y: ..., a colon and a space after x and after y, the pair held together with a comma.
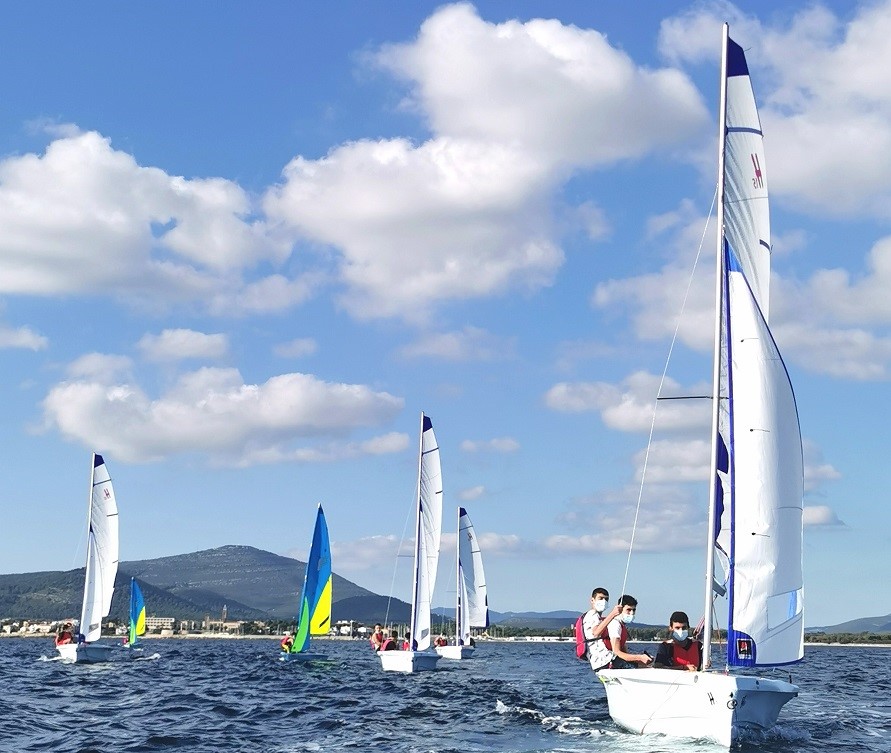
x: 517, y: 639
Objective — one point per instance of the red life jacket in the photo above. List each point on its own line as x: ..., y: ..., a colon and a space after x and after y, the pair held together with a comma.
x: 380, y: 641
x: 63, y: 638
x: 406, y: 646
x: 388, y: 645
x: 286, y: 643
x: 623, y: 638
x: 686, y: 657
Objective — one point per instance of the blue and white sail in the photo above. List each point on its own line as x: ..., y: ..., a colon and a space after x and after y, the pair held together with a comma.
x: 758, y: 454
x: 746, y: 208
x: 761, y: 532
x: 102, y: 552
x: 428, y: 533
x: 473, y: 602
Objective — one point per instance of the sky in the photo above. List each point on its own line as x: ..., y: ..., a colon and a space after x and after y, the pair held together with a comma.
x: 242, y: 248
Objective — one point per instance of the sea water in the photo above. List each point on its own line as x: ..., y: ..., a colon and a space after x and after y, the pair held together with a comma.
x: 228, y: 696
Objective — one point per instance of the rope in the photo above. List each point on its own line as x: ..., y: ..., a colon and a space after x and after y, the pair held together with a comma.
x: 674, y: 338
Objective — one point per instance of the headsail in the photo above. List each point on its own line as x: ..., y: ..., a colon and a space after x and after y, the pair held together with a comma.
x: 102, y: 552
x: 314, y: 617
x: 766, y: 481
x: 137, y: 613
x: 474, y: 602
x: 428, y: 533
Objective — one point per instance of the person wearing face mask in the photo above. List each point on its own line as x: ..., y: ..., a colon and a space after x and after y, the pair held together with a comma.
x: 680, y: 651
x: 617, y: 637
x: 594, y: 624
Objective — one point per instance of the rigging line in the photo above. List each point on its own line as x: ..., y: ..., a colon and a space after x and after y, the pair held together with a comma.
x: 674, y: 337
x: 396, y: 563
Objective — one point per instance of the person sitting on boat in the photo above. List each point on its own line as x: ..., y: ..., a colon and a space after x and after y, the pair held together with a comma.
x: 440, y: 641
x: 377, y: 637
x: 390, y: 642
x: 406, y: 644
x: 65, y: 634
x: 680, y: 651
x: 470, y: 641
x: 287, y: 642
x: 594, y: 627
x: 617, y: 637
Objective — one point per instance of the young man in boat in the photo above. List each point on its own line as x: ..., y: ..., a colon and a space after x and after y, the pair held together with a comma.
x: 680, y: 651
x: 65, y: 634
x: 617, y: 637
x: 377, y: 638
x: 594, y: 625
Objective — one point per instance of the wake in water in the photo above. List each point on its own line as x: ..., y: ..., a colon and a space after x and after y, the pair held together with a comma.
x: 565, y: 725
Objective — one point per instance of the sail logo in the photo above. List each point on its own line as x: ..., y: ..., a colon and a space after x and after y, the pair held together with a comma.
x: 106, y: 493
x: 744, y: 648
x: 758, y: 178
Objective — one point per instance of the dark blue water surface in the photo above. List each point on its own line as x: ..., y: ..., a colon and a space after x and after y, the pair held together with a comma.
x: 227, y: 696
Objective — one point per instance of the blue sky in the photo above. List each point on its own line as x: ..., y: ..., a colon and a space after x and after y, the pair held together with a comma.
x: 241, y: 251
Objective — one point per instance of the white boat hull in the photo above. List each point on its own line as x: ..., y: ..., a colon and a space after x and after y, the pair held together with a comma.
x: 302, y: 656
x: 91, y: 653
x: 693, y: 705
x: 455, y: 652
x: 408, y: 662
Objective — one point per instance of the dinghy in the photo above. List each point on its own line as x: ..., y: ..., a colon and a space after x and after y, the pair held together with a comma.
x: 472, y: 602
x: 428, y: 531
x: 314, y: 611
x: 101, y: 570
x: 756, y: 489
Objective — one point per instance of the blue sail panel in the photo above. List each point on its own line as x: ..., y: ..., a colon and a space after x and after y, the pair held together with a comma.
x: 314, y: 616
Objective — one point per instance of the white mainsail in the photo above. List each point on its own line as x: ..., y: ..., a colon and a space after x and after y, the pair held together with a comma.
x: 427, y: 535
x: 473, y: 607
x: 102, y: 552
x: 746, y: 210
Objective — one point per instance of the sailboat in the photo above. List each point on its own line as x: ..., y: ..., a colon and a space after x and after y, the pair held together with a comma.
x: 101, y: 569
x: 314, y: 612
x: 428, y: 531
x: 472, y: 602
x: 756, y: 489
x: 137, y: 614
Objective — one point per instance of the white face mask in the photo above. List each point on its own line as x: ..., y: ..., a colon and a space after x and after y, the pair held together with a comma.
x: 680, y: 635
x: 626, y: 618
x: 599, y: 605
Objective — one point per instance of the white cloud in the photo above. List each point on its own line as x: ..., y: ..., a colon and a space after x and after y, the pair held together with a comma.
x: 474, y: 492
x: 302, y: 346
x: 820, y: 516
x: 179, y: 344
x: 22, y: 337
x: 158, y: 238
x: 629, y: 407
x: 826, y: 93
x: 467, y: 213
x: 469, y: 344
x: 369, y: 553
x: 499, y: 444
x: 212, y: 412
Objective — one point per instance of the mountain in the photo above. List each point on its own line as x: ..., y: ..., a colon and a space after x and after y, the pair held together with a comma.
x: 251, y: 583
x: 860, y: 625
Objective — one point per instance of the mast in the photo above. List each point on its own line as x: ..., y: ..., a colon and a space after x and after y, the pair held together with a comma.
x: 716, y: 366
x: 414, y: 589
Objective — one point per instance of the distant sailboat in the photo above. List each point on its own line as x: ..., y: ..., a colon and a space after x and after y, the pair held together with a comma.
x: 137, y: 614
x: 756, y: 483
x: 472, y: 602
x: 428, y: 531
x: 101, y: 569
x: 314, y: 611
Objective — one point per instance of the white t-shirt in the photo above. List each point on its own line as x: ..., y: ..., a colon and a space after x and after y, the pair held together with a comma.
x: 598, y: 654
